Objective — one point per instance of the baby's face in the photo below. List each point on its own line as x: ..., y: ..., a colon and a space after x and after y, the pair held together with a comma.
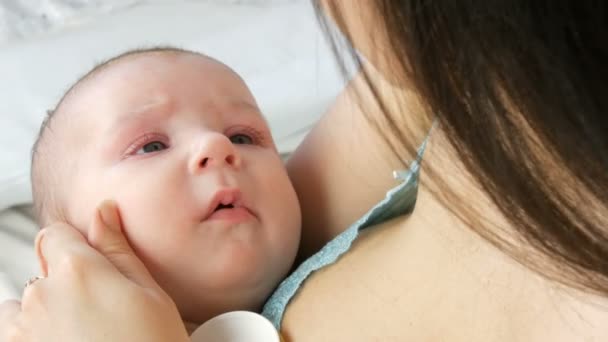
x: 179, y: 143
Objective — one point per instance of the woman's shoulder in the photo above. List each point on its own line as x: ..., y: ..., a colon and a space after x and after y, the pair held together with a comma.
x: 427, y: 277
x: 344, y: 301
x: 342, y: 168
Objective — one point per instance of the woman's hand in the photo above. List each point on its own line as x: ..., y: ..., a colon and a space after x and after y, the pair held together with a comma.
x: 88, y: 295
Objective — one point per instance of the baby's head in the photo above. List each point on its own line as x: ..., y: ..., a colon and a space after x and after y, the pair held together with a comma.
x: 176, y: 139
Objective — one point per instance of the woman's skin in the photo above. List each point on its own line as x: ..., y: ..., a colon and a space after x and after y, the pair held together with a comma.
x: 95, y: 289
x: 426, y: 277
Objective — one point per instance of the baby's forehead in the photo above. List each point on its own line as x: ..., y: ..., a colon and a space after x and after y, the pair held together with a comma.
x: 140, y: 69
x: 152, y: 74
x: 135, y: 78
x: 154, y: 79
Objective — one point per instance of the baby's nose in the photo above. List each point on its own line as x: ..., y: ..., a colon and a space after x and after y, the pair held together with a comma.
x: 214, y: 150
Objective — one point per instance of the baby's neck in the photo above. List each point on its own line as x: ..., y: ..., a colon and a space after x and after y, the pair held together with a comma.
x: 190, y: 327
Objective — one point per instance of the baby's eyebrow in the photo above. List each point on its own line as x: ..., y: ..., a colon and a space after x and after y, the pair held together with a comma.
x: 251, y: 108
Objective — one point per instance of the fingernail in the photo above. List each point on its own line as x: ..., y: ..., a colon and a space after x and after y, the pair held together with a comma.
x: 39, y: 237
x: 109, y: 214
x: 38, y: 247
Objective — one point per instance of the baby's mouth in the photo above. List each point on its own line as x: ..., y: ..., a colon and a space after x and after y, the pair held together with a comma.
x: 227, y: 205
x: 224, y: 206
x: 231, y: 213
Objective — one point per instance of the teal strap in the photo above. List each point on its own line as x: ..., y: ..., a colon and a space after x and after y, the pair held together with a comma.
x: 398, y: 201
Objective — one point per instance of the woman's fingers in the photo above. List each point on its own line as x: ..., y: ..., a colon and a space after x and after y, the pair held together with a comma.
x: 41, y: 261
x: 9, y: 329
x: 60, y: 245
x: 107, y: 236
x: 85, y: 297
x: 9, y: 309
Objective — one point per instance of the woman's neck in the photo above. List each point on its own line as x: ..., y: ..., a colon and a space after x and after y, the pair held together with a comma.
x: 344, y: 166
x: 445, y: 276
x: 509, y: 293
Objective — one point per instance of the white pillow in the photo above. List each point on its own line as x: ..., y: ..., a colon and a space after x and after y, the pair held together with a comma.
x: 278, y: 49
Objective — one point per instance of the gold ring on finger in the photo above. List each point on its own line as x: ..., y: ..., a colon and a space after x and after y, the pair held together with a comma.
x: 32, y: 280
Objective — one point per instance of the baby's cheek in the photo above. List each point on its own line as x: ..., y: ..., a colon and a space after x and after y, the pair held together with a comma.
x: 136, y: 219
x: 141, y: 237
x: 288, y: 218
x: 152, y: 228
x: 81, y: 216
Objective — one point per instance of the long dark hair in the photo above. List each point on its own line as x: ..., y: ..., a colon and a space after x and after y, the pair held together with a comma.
x: 520, y: 89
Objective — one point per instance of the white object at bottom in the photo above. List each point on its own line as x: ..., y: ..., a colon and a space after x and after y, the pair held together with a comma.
x: 236, y: 326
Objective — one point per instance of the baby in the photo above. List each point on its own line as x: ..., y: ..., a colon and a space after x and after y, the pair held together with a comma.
x: 176, y: 139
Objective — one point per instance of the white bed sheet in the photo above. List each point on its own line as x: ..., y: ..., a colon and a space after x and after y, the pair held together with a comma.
x: 276, y: 47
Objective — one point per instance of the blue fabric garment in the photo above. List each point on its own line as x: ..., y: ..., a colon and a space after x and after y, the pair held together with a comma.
x: 398, y: 201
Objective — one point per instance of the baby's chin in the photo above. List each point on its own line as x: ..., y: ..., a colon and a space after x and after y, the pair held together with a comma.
x: 252, y: 262
x: 191, y: 326
x: 255, y: 271
x: 235, y: 291
x: 236, y: 279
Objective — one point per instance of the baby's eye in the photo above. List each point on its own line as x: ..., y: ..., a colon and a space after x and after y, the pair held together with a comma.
x: 151, y: 147
x: 241, y: 139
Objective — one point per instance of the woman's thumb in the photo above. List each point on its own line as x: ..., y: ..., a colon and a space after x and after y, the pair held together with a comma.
x: 107, y: 236
x: 108, y: 212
